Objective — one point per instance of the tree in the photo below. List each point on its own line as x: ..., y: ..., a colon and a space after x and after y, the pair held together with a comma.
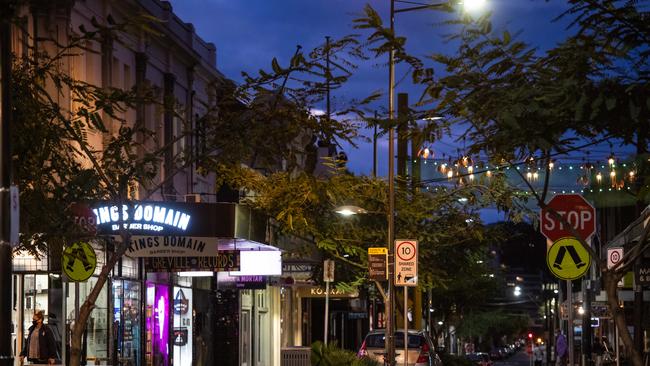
x: 518, y: 104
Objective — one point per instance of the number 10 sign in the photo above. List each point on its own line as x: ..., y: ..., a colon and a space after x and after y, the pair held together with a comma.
x: 406, y: 263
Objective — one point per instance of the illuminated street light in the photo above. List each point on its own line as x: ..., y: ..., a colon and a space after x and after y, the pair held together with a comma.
x: 472, y: 5
x: 349, y: 210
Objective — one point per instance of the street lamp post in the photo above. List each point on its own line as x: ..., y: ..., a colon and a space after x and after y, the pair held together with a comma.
x: 390, y: 302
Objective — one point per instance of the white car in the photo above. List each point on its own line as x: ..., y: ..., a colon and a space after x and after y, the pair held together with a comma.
x: 420, y: 348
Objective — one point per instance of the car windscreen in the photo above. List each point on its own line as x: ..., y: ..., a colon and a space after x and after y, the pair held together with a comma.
x: 377, y: 341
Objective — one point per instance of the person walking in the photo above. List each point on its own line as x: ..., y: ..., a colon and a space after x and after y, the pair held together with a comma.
x: 598, y: 350
x: 538, y: 355
x: 561, y: 348
x: 40, y: 347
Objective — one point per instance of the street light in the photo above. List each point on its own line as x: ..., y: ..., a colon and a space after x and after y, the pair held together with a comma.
x: 390, y: 306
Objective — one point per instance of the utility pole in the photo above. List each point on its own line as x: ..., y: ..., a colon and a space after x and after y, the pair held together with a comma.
x: 6, y: 13
x: 390, y: 237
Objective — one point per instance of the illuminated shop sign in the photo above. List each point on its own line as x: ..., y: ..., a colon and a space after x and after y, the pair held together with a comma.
x: 154, y: 218
x: 148, y: 217
x: 226, y: 260
x: 171, y: 246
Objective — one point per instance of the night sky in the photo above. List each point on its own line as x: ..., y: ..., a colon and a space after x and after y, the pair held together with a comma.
x: 249, y: 33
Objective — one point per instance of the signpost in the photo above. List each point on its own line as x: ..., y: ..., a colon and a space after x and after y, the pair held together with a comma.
x: 567, y: 259
x: 581, y: 216
x: 406, y: 263
x: 79, y: 261
x: 614, y: 255
x: 378, y: 264
x: 406, y: 274
x: 328, y: 276
x: 573, y: 208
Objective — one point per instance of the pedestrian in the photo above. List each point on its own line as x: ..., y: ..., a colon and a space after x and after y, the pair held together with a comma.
x: 598, y: 351
x: 40, y: 347
x: 538, y: 355
x: 561, y: 349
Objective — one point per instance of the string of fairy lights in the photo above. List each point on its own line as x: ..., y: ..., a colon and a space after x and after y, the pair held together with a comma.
x: 607, y: 175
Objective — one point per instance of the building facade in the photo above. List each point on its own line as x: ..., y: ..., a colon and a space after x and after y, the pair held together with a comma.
x: 148, y: 315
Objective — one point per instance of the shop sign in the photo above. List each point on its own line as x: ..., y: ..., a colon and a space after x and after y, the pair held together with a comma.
x: 157, y: 218
x: 180, y: 336
x: 227, y: 260
x: 181, y: 303
x: 171, y: 246
x: 314, y: 291
x: 250, y: 282
x: 642, y: 273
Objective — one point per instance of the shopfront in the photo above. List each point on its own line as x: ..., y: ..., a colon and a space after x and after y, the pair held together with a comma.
x: 198, y: 279
x: 164, y: 303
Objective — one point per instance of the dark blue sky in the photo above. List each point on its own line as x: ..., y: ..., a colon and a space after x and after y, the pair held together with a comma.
x: 249, y: 33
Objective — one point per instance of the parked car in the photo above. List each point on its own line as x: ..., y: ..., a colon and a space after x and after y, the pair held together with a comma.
x: 496, y: 354
x: 420, y: 348
x: 479, y: 358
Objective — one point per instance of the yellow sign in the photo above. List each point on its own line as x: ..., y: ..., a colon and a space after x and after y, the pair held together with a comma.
x: 377, y: 251
x: 79, y: 261
x: 568, y: 259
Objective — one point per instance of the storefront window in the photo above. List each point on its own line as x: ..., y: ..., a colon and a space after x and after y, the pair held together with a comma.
x: 97, y: 326
x: 183, y: 321
x: 126, y: 317
x: 157, y: 325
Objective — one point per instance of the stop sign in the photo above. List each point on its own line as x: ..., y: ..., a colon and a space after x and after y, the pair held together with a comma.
x: 579, y: 213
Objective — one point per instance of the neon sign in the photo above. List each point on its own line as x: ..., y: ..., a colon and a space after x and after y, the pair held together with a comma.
x: 160, y: 312
x: 150, y: 217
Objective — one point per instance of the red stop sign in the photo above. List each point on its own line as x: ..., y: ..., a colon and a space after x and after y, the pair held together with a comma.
x: 580, y: 214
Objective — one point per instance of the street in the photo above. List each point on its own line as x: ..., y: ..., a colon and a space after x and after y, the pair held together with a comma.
x: 520, y: 358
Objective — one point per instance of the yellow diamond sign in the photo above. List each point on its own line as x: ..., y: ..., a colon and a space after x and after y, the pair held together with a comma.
x: 79, y: 261
x: 567, y: 259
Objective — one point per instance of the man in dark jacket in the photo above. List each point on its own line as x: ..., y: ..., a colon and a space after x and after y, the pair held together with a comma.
x: 40, y: 347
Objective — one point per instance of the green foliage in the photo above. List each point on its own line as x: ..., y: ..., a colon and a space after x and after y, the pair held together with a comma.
x: 331, y: 355
x: 494, y: 324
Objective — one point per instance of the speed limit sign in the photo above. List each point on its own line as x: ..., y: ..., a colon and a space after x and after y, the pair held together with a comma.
x: 406, y: 263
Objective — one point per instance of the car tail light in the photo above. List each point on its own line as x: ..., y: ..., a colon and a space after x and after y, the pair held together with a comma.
x: 424, y: 353
x: 362, y: 351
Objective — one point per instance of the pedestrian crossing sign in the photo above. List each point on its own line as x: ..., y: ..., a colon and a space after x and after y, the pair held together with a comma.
x: 567, y: 259
x: 79, y: 261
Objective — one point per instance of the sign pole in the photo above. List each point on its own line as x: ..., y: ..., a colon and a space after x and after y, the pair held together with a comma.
x: 406, y: 326
x: 327, y: 303
x: 328, y: 276
x: 569, y: 296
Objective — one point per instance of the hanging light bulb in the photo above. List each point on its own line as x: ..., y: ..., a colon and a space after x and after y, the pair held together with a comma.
x: 599, y: 177
x: 535, y: 176
x: 529, y: 175
x: 424, y: 153
x: 611, y: 160
x: 450, y: 174
x: 470, y: 169
x: 631, y: 176
x: 612, y: 176
x: 551, y: 164
x: 488, y: 174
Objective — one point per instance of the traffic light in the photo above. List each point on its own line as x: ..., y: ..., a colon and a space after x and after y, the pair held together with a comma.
x: 530, y: 335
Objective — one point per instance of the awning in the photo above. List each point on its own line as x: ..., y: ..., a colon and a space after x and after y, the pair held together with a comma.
x: 632, y: 232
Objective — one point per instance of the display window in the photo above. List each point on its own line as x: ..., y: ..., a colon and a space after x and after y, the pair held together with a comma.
x: 157, y: 325
x: 183, y: 326
x: 126, y: 321
x: 97, y: 327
